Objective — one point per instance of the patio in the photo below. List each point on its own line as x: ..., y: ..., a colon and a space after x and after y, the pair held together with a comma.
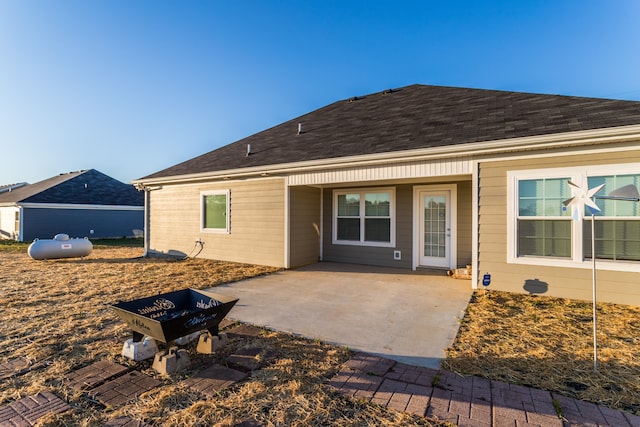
x: 407, y: 316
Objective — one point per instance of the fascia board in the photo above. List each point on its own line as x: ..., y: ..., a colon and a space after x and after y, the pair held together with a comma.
x: 568, y: 139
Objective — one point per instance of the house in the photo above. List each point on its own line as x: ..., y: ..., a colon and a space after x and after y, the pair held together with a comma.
x: 11, y: 187
x: 87, y: 203
x: 420, y: 177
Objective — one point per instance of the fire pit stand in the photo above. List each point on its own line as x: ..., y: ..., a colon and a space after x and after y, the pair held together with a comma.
x: 169, y: 316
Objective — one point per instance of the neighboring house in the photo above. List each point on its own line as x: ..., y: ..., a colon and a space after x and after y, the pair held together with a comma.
x: 420, y: 177
x: 11, y: 187
x: 81, y: 204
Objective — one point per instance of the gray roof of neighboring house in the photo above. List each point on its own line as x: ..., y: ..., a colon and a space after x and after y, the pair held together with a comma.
x: 11, y: 187
x: 88, y: 187
x: 412, y: 117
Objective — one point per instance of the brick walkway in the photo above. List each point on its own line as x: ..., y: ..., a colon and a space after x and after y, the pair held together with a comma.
x: 27, y: 411
x: 466, y: 401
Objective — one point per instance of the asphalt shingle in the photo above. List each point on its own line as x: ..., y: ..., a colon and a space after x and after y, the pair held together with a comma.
x: 412, y: 117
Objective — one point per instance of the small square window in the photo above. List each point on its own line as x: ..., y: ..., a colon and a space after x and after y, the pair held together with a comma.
x: 215, y: 211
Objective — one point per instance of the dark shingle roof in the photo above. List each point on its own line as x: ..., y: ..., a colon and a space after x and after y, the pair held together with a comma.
x: 412, y: 117
x: 84, y: 187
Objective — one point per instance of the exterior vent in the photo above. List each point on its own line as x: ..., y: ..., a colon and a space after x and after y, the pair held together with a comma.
x: 299, y: 128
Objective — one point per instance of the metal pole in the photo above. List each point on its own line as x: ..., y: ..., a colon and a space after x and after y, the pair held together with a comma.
x: 593, y: 278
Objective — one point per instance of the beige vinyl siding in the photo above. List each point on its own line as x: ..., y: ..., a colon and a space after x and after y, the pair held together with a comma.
x: 383, y: 256
x: 256, y: 222
x: 371, y: 255
x: 566, y: 282
x: 304, y: 231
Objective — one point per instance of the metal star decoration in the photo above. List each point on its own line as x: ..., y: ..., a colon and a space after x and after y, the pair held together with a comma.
x: 582, y: 197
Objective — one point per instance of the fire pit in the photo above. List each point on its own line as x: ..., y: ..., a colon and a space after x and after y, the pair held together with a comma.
x: 166, y: 317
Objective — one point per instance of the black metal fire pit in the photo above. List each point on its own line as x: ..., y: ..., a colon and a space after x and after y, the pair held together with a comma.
x: 165, y: 317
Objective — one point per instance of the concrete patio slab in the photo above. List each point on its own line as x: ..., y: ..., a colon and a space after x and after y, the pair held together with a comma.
x: 411, y: 317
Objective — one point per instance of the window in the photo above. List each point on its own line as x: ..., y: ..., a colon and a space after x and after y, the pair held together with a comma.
x: 215, y: 211
x: 542, y: 231
x: 544, y: 228
x: 364, y: 217
x: 617, y: 226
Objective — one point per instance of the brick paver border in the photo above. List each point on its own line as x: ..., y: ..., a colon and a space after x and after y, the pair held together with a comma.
x: 27, y: 411
x: 123, y: 389
x: 466, y: 401
x: 213, y: 379
x: 94, y: 375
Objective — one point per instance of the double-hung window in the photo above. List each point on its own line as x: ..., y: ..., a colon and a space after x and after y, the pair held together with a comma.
x: 544, y: 227
x: 541, y: 230
x: 617, y: 225
x: 215, y: 211
x: 364, y: 217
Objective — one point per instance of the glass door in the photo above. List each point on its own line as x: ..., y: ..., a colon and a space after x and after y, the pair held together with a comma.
x: 435, y: 228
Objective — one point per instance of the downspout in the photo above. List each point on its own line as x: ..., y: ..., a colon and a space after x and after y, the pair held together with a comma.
x: 145, y: 230
x: 20, y: 225
x: 475, y: 215
x: 146, y: 220
x: 287, y: 224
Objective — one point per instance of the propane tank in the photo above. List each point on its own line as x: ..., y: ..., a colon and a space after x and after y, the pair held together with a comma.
x: 61, y: 246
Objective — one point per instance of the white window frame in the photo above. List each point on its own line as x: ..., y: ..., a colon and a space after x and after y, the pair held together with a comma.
x: 579, y: 176
x: 363, y: 192
x: 203, y: 195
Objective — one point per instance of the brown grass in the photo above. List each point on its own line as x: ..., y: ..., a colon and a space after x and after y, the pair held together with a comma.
x: 56, y: 314
x: 547, y: 343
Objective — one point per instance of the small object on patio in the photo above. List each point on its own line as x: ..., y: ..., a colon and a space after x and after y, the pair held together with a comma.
x: 140, y: 350
x: 61, y: 246
x: 460, y: 273
x: 172, y: 361
x: 208, y: 344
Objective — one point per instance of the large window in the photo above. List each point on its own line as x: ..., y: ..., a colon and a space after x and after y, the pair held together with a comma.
x: 543, y: 231
x: 215, y: 211
x: 364, y: 217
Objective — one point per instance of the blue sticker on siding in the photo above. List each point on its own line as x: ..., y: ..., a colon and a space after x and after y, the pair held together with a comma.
x: 486, y: 279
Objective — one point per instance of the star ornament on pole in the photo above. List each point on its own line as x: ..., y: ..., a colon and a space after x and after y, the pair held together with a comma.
x: 582, y: 197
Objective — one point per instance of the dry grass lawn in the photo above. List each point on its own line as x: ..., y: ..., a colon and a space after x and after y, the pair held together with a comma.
x: 547, y: 343
x: 56, y: 313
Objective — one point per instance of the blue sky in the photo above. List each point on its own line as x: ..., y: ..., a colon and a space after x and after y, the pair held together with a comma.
x: 130, y: 87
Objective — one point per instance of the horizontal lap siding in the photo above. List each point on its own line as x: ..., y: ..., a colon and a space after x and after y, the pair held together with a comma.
x: 404, y: 231
x: 304, y: 232
x: 42, y: 223
x: 256, y: 222
x: 566, y: 282
x: 382, y: 256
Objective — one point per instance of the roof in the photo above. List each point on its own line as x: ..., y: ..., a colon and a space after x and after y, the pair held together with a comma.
x: 11, y: 187
x: 412, y: 117
x: 89, y: 187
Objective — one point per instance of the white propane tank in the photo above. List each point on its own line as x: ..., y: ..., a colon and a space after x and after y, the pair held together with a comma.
x: 61, y: 246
